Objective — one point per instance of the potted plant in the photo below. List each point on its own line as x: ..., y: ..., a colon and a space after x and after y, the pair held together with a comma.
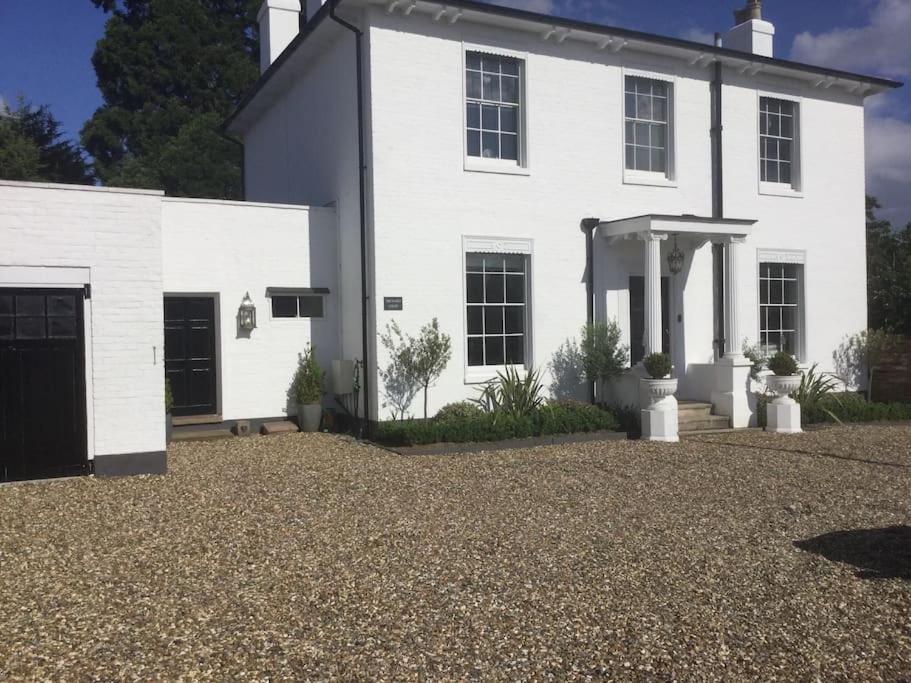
x: 168, y: 406
x: 786, y: 378
x: 307, y: 391
x: 660, y: 385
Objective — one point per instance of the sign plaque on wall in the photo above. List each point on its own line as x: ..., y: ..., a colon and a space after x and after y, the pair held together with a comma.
x: 392, y: 303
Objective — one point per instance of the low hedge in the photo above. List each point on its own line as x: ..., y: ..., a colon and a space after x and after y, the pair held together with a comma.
x: 849, y: 408
x: 559, y: 417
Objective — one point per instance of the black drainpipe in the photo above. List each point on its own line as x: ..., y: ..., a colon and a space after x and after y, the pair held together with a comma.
x: 362, y: 167
x: 588, y: 227
x: 718, y: 198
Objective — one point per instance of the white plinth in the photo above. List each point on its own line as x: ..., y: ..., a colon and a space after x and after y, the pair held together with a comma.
x: 660, y: 420
x: 783, y: 416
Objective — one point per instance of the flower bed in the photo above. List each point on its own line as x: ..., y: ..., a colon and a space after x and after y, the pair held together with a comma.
x: 559, y: 417
x: 848, y: 408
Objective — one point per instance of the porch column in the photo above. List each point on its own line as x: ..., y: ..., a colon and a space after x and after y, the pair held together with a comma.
x: 652, y: 272
x: 733, y: 338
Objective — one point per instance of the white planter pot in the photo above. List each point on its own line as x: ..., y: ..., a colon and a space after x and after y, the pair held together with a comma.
x: 309, y: 417
x: 782, y: 386
x: 659, y: 391
x: 659, y: 418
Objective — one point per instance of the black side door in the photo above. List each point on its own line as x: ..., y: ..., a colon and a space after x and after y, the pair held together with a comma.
x: 190, y: 355
x: 42, y: 384
x: 637, y: 317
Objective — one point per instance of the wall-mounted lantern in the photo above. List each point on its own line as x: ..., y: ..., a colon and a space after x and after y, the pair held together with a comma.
x: 246, y: 314
x: 675, y: 259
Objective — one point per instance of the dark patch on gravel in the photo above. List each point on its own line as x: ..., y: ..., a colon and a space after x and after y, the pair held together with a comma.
x: 737, y: 556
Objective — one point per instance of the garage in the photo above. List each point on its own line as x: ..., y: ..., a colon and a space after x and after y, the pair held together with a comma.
x: 42, y: 383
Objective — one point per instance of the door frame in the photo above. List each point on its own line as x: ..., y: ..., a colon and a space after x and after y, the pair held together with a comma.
x: 670, y: 310
x: 64, y: 277
x: 216, y: 297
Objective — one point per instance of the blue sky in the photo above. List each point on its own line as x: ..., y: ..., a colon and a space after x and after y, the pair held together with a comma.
x: 46, y: 48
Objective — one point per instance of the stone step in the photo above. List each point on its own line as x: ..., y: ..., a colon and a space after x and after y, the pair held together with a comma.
x: 283, y: 427
x: 201, y: 435
x: 709, y: 422
x: 693, y: 407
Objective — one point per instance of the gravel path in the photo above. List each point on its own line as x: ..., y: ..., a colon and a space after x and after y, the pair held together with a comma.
x: 306, y: 556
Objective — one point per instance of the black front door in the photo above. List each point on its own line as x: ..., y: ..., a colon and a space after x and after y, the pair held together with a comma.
x: 189, y: 354
x: 637, y: 317
x: 42, y: 384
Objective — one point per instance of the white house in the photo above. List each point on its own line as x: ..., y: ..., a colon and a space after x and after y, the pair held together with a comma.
x: 511, y: 174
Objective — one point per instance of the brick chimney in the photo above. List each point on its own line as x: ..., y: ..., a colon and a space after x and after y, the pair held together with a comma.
x: 751, y: 33
x: 279, y: 23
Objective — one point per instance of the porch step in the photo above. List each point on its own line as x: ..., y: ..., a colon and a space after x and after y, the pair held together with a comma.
x: 706, y: 423
x: 283, y: 427
x: 201, y: 435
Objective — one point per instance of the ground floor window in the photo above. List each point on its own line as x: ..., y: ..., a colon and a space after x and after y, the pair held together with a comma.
x: 780, y: 307
x: 496, y: 287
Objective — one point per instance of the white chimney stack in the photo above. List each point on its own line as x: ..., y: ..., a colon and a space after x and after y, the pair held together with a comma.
x: 751, y: 34
x: 279, y: 23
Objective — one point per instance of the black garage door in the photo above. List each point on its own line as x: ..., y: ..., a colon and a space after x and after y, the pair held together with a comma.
x: 42, y: 383
x: 189, y: 354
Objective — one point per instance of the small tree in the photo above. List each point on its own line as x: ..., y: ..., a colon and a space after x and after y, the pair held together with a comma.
x: 307, y: 385
x: 603, y: 356
x: 415, y: 363
x: 858, y: 356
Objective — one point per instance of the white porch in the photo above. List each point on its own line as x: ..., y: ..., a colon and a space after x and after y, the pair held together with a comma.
x: 690, y: 307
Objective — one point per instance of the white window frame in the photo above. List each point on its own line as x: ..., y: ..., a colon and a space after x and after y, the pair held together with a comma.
x: 793, y: 190
x: 656, y: 179
x: 478, y: 374
x: 788, y: 257
x: 505, y: 166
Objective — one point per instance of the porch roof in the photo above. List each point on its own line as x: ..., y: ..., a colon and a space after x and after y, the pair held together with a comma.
x: 686, y: 224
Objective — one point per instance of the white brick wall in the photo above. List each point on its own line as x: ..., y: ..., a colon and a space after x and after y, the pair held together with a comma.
x: 230, y: 248
x: 116, y: 236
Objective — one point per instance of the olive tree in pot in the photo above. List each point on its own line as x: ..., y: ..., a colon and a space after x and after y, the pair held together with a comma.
x: 783, y: 413
x: 168, y: 406
x: 307, y: 391
x: 660, y: 417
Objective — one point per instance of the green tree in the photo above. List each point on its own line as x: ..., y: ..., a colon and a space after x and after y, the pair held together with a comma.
x: 414, y: 363
x: 170, y: 72
x: 888, y: 273
x: 32, y: 147
x: 603, y: 356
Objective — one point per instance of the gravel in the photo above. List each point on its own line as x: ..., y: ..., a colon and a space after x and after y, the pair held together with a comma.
x: 734, y: 556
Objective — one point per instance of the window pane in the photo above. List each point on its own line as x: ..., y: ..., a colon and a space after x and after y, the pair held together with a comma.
x: 493, y: 320
x: 61, y: 327
x: 494, y: 288
x: 473, y: 85
x: 490, y: 63
x: 509, y: 147
x: 643, y: 107
x: 776, y: 292
x: 509, y: 119
x: 476, y: 351
x: 474, y: 143
x: 642, y: 134
x: 630, y: 157
x: 473, y: 60
x: 515, y: 320
x: 61, y: 305
x: 284, y: 307
x: 659, y: 136
x: 515, y: 350
x: 643, y: 159
x: 630, y: 106
x: 514, y: 263
x: 493, y: 263
x: 6, y: 305
x: 784, y: 172
x: 30, y: 328
x: 474, y: 263
x: 475, y: 288
x: 509, y: 66
x: 490, y: 117
x: 6, y: 326
x: 789, y: 342
x: 473, y: 115
x: 774, y: 318
x: 29, y: 305
x: 494, y: 353
x: 311, y: 306
x: 491, y: 146
x: 475, y: 320
x: 510, y: 89
x: 789, y: 318
x: 784, y: 150
x: 774, y: 125
x: 491, y: 89
x: 659, y: 110
x: 787, y: 127
x: 658, y: 160
x: 515, y: 289
x: 790, y: 292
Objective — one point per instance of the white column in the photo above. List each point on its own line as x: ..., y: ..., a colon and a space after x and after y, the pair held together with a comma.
x: 733, y: 339
x: 653, y: 331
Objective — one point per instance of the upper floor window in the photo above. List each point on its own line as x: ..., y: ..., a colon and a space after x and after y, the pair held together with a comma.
x: 493, y: 91
x: 778, y: 126
x: 648, y: 125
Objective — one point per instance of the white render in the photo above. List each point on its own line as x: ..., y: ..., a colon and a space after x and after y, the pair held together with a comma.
x: 426, y: 199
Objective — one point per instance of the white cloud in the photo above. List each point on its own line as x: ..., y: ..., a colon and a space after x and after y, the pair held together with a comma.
x: 881, y: 46
x: 888, y: 143
x: 698, y: 35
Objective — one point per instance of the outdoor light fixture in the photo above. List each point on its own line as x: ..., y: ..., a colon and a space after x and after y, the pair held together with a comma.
x: 246, y: 314
x: 675, y: 259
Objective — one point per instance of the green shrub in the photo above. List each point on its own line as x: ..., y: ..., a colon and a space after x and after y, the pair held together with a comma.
x: 307, y: 385
x: 512, y: 394
x: 658, y: 365
x: 851, y: 407
x: 783, y: 364
x: 559, y: 417
x: 458, y: 411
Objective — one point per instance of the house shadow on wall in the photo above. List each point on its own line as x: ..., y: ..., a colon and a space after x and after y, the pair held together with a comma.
x: 877, y: 553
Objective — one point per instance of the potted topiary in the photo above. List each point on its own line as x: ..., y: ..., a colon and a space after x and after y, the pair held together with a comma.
x: 168, y: 406
x: 307, y: 391
x: 786, y: 378
x: 659, y: 416
x: 660, y: 384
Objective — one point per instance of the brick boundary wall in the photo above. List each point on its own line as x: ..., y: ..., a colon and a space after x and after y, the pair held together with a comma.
x: 892, y: 380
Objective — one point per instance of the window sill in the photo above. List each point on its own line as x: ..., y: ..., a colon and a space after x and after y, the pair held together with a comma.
x: 779, y: 190
x: 484, y: 374
x: 651, y: 179
x: 477, y: 165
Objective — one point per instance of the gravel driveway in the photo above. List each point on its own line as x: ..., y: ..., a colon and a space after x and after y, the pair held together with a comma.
x: 737, y: 556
